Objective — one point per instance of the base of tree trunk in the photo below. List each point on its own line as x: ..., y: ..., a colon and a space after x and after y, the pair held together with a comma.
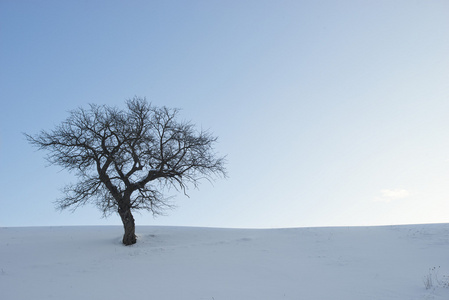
x: 129, y: 237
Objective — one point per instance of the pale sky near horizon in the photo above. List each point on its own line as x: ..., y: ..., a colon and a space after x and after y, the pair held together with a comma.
x: 331, y: 113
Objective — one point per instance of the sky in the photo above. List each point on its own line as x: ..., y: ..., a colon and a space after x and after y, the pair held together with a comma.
x: 331, y: 113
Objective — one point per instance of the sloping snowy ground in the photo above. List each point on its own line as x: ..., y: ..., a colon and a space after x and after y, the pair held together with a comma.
x: 354, y: 263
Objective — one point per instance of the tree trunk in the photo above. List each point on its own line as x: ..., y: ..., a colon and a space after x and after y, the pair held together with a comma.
x: 129, y: 238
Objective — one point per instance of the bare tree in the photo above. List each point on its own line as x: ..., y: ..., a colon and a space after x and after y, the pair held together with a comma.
x: 124, y: 159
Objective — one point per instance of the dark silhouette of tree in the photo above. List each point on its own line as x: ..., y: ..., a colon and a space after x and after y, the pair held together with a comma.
x: 124, y: 159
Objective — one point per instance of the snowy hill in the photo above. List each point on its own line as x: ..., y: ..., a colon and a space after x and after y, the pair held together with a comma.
x: 350, y: 263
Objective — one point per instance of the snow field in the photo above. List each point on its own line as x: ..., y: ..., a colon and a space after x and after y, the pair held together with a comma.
x: 350, y: 263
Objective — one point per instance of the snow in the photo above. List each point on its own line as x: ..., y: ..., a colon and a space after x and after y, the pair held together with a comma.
x: 351, y: 263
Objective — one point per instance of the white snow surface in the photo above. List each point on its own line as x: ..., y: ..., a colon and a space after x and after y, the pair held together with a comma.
x: 348, y: 263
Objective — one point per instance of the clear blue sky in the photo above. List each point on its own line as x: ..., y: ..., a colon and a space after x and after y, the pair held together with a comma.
x: 331, y: 112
